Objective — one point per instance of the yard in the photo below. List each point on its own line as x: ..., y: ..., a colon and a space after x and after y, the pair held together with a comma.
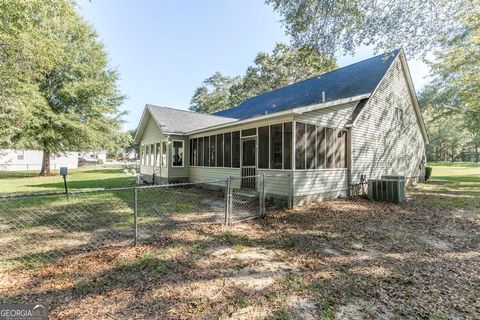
x: 82, y: 178
x: 337, y: 259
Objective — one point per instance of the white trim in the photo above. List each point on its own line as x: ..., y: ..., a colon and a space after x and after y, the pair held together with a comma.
x: 173, y: 153
x: 164, y: 165
x: 293, y: 111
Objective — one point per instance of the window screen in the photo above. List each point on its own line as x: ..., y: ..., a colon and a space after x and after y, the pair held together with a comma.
x: 219, y: 150
x: 195, y: 152
x: 287, y: 146
x: 277, y: 147
x: 263, y: 147
x: 177, y: 154
x: 228, y: 150
x: 213, y: 149
x: 206, y: 151
x: 200, y: 152
x: 300, y: 146
x: 341, y: 150
x: 320, y: 147
x: 311, y: 146
x: 236, y: 149
x: 249, y: 132
x: 330, y: 144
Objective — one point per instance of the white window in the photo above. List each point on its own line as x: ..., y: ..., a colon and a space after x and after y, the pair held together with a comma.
x: 177, y: 153
x: 164, y: 153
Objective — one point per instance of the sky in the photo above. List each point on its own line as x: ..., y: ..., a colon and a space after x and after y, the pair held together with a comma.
x: 163, y: 50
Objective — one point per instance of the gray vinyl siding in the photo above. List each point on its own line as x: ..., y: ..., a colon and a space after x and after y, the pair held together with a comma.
x: 152, y: 135
x: 198, y: 174
x: 334, y: 117
x: 321, y: 184
x: 381, y: 144
x: 278, y: 182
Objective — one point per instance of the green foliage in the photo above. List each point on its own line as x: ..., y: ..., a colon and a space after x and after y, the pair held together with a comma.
x: 428, y: 173
x: 332, y: 26
x: 282, y: 67
x: 451, y: 102
x: 60, y: 93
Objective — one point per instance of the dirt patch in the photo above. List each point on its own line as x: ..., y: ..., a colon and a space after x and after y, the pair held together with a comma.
x: 339, y: 259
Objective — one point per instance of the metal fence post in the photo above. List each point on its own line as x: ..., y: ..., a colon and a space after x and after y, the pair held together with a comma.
x: 262, y: 195
x: 135, y: 214
x: 228, y: 213
x: 227, y: 199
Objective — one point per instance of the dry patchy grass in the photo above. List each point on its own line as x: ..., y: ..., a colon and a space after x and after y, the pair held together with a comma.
x: 338, y: 259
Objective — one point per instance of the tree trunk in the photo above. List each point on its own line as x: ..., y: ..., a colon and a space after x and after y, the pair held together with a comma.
x: 46, y: 163
x: 436, y: 154
x: 476, y: 154
x: 453, y: 151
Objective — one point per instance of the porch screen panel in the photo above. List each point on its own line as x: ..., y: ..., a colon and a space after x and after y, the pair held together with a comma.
x: 276, y: 155
x: 321, y: 147
x: 236, y: 149
x: 206, y: 151
x: 157, y: 154
x: 300, y: 145
x: 330, y: 139
x: 287, y: 145
x: 311, y: 146
x: 164, y: 153
x: 227, y: 155
x: 191, y: 152
x: 213, y: 149
x: 263, y: 150
x: 249, y: 132
x: 195, y: 152
x: 341, y: 150
x: 219, y: 150
x: 200, y: 151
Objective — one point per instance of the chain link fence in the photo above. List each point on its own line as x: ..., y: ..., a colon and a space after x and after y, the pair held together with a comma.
x: 36, y: 228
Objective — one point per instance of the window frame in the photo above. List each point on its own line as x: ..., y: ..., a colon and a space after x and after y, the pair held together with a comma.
x: 164, y: 154
x: 173, y: 153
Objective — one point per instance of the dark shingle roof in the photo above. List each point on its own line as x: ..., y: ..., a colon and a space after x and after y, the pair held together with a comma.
x: 180, y: 121
x: 350, y: 81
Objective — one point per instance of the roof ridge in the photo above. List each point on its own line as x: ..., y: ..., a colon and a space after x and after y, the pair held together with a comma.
x: 395, y: 53
x: 187, y: 111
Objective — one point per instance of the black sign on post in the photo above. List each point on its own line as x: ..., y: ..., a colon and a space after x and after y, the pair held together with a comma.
x: 64, y: 172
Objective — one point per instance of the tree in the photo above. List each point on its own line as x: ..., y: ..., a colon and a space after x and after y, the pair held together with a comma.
x: 282, y: 67
x: 214, y: 94
x: 69, y: 98
x: 132, y: 144
x: 332, y: 26
x: 456, y: 83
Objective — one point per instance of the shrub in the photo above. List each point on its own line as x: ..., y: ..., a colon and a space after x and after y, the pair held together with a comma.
x: 428, y: 173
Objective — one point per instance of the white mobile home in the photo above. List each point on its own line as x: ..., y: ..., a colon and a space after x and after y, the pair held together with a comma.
x: 325, y: 132
x: 31, y: 160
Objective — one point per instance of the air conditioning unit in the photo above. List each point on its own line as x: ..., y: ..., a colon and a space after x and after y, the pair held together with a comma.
x: 391, y: 189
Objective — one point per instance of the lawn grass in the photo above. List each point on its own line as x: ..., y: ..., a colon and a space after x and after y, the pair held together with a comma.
x: 78, y: 179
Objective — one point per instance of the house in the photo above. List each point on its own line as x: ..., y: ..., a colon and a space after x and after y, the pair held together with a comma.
x: 320, y: 135
x: 28, y: 160
x: 93, y: 156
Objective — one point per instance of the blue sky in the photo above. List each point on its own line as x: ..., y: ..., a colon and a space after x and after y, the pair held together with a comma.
x: 163, y: 50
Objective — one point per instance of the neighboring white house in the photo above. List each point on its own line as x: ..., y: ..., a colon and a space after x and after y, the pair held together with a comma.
x: 94, y: 156
x: 28, y: 160
x: 321, y: 134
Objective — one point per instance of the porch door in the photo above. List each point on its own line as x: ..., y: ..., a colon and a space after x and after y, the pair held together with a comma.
x: 249, y: 162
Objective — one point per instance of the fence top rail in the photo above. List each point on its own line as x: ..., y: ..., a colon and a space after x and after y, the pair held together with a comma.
x: 97, y: 190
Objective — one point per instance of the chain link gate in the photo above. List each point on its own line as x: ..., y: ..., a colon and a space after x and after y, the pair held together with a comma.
x: 245, y: 198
